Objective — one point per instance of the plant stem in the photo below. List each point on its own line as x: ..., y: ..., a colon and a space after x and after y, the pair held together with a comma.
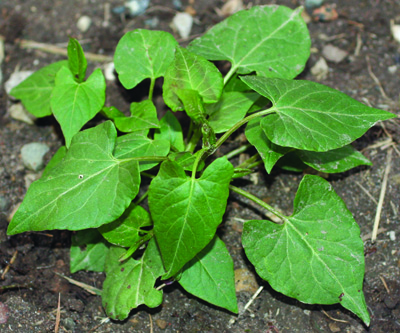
x: 144, y: 196
x: 152, y: 82
x: 248, y: 161
x: 257, y: 201
x: 253, y: 165
x: 148, y: 175
x: 229, y: 74
x: 228, y: 133
x: 191, y: 145
x: 237, y: 151
x: 199, y: 156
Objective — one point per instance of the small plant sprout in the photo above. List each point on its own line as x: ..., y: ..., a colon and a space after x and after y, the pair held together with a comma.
x: 92, y: 184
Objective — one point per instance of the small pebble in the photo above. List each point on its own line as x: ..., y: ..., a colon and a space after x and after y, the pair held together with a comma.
x: 18, y: 112
x: 395, y: 28
x: 333, y: 53
x: 183, y: 24
x: 109, y: 71
x: 230, y: 7
x: 320, y: 70
x: 177, y: 4
x: 313, y: 3
x: 392, y: 235
x: 15, y: 79
x: 136, y: 7
x: 3, y: 203
x: 392, y: 69
x: 32, y: 155
x: 84, y: 23
x: 161, y: 323
x: 29, y: 178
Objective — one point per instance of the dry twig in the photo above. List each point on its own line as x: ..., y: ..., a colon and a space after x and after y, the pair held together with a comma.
x: 12, y: 260
x: 384, y: 283
x: 253, y: 298
x: 382, y: 195
x: 334, y: 319
x: 89, y: 289
x: 50, y: 48
x: 376, y: 80
x: 58, y: 315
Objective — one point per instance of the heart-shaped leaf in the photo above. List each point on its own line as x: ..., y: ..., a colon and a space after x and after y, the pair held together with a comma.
x: 270, y: 40
x: 317, y: 255
x: 186, y: 211
x: 87, y: 189
x: 142, y: 54
x: 312, y: 116
x: 73, y: 103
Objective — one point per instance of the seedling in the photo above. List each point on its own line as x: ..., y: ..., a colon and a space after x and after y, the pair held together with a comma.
x: 92, y: 183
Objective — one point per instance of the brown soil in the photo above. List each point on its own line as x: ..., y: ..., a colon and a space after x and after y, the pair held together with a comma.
x: 32, y: 300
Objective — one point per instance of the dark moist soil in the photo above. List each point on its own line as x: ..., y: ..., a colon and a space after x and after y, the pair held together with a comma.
x: 32, y: 302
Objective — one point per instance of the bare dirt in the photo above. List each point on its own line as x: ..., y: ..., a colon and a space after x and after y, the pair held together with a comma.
x: 31, y: 287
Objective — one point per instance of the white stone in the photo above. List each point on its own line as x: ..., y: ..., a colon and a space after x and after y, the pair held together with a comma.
x: 183, y: 23
x: 320, y: 69
x: 333, y: 53
x: 84, y: 23
x: 15, y: 79
x: 18, y: 112
x: 109, y: 71
x: 395, y: 28
x: 32, y: 155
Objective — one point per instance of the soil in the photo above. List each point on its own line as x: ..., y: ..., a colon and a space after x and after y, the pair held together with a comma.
x: 31, y: 287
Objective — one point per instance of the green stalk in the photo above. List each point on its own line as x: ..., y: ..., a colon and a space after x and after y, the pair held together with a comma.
x: 248, y: 161
x: 191, y: 145
x: 229, y: 75
x: 228, y: 133
x: 151, y: 89
x: 144, y: 196
x: 257, y: 201
x: 237, y: 151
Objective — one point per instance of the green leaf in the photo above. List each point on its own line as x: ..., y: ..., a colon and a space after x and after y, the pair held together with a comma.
x: 74, y: 104
x: 312, y: 116
x: 236, y: 84
x: 35, y: 91
x: 131, y: 283
x: 142, y: 54
x: 192, y: 104
x: 131, y: 145
x: 317, y: 255
x: 87, y: 189
x: 271, y: 40
x: 334, y: 161
x: 126, y: 230
x: 186, y: 160
x: 171, y: 130
x: 192, y: 72
x: 143, y: 116
x: 269, y: 152
x: 88, y: 251
x: 231, y: 108
x: 56, y: 159
x: 186, y: 211
x: 76, y: 60
x: 111, y: 112
x: 210, y: 276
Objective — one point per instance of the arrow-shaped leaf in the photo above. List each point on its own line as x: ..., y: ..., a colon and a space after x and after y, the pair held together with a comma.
x: 317, y: 255
x: 271, y: 40
x: 312, y: 116
x: 73, y: 103
x: 186, y: 211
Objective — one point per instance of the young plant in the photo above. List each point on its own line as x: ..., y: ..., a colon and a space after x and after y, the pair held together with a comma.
x: 92, y: 183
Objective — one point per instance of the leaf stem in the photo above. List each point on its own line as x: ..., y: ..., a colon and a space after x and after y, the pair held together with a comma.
x: 237, y: 151
x: 228, y: 133
x: 199, y: 156
x: 229, y: 74
x: 191, y: 145
x: 248, y: 161
x: 257, y: 201
x: 151, y: 89
x: 144, y: 196
x: 148, y: 175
